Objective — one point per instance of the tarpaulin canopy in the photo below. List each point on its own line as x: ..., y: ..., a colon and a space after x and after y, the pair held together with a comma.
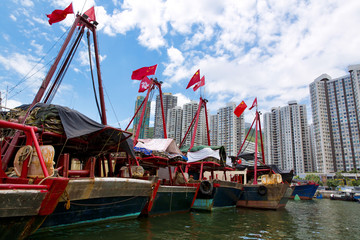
x: 74, y: 124
x: 159, y: 144
x: 203, y: 152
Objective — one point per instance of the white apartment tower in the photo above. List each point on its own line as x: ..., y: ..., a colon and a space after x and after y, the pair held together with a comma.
x: 267, y: 138
x: 231, y: 129
x: 214, y: 129
x: 189, y: 111
x: 287, y: 138
x: 335, y: 108
x: 174, y: 124
x: 169, y: 101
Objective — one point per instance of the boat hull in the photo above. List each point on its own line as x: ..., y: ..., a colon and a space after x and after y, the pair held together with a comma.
x: 100, y: 199
x: 23, y: 207
x: 172, y: 199
x: 19, y: 212
x: 305, y: 192
x: 224, y: 195
x: 274, y: 197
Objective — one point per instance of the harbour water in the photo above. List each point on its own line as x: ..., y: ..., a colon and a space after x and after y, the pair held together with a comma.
x: 314, y: 219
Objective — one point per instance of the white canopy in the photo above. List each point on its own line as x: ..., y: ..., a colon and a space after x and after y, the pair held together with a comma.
x: 161, y: 145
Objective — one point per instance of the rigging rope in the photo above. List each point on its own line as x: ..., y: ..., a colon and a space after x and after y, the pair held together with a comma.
x: 92, y: 74
x: 65, y: 65
x: 27, y: 75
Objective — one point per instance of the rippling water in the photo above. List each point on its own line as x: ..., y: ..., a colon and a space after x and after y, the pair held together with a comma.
x: 316, y: 219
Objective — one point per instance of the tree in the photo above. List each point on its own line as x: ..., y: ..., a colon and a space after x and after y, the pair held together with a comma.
x: 331, y: 183
x: 354, y: 170
x: 313, y: 177
x: 338, y: 175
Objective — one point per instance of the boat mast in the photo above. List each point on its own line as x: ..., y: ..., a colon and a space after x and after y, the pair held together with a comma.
x: 79, y: 21
x: 197, y: 115
x: 154, y: 83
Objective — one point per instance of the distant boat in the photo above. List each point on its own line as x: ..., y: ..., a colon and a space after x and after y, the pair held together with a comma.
x: 304, y: 189
x: 346, y: 193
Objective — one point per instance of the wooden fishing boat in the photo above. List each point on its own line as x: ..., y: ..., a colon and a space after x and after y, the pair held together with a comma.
x: 304, y: 189
x: 92, y: 191
x: 172, y: 193
x: 267, y: 188
x: 217, y: 188
x: 30, y: 195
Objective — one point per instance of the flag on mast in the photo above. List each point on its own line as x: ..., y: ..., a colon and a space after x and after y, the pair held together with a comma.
x: 199, y: 84
x: 91, y: 14
x: 254, y: 104
x: 240, y: 109
x: 144, y: 84
x: 140, y: 73
x: 195, y: 79
x: 59, y: 15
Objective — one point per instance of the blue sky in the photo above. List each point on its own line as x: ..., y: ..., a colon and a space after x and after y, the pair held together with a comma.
x: 271, y: 50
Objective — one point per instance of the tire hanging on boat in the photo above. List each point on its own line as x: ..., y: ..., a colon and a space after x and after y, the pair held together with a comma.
x: 262, y: 190
x: 206, y: 187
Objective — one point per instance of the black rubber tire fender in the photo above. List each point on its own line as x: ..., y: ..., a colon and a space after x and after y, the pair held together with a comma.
x: 206, y: 187
x: 262, y: 190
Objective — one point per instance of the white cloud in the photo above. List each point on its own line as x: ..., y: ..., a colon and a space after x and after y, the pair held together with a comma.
x: 11, y: 103
x: 6, y: 37
x: 152, y: 107
x: 27, y: 68
x: 42, y: 21
x: 181, y: 99
x: 84, y: 57
x: 38, y: 48
x: 26, y: 3
x: 12, y: 17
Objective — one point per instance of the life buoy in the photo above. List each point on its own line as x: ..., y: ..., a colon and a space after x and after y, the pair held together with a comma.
x: 206, y: 187
x: 262, y: 190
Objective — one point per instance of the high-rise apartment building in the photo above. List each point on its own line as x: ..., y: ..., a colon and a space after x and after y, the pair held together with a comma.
x: 169, y: 101
x: 214, y: 129
x: 312, y: 143
x: 335, y: 109
x: 146, y: 121
x: 174, y: 123
x: 231, y: 129
x: 287, y: 139
x: 189, y: 111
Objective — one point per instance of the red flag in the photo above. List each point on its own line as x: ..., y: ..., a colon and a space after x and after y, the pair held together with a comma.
x: 59, y: 15
x: 140, y: 73
x: 254, y: 104
x: 194, y: 79
x: 199, y: 84
x: 240, y: 109
x: 144, y: 84
x: 91, y: 14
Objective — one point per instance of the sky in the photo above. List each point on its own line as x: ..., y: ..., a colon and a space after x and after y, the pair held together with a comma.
x: 271, y: 50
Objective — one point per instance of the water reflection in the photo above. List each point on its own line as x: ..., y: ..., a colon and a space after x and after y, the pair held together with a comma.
x: 317, y: 219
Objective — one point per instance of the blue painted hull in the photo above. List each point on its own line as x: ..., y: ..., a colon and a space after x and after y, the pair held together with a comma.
x: 100, y: 199
x: 275, y: 197
x: 83, y: 211
x: 221, y: 197
x: 305, y: 192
